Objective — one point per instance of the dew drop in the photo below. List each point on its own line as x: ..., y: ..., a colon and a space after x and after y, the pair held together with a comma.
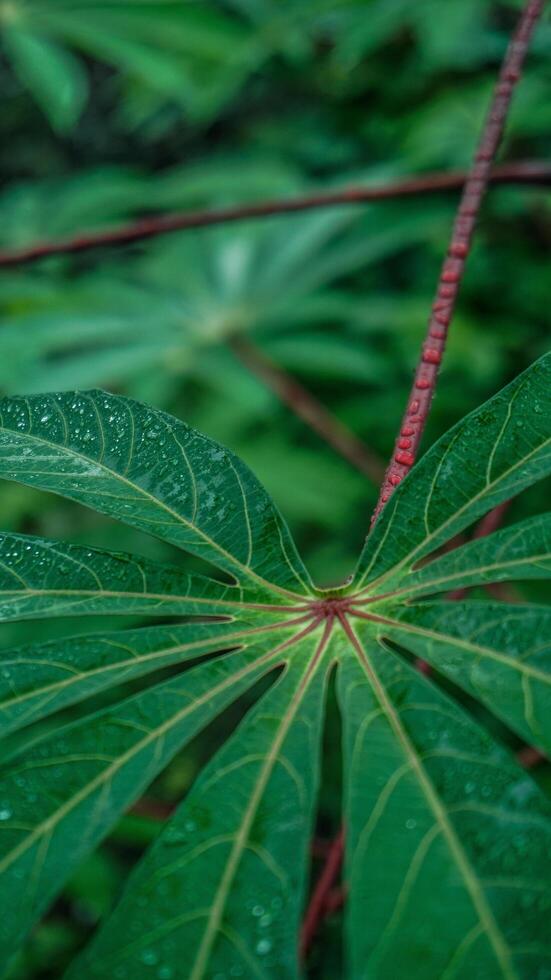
x: 149, y: 957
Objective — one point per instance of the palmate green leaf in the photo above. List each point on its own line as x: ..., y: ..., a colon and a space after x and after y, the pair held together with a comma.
x: 448, y: 841
x: 156, y: 474
x: 184, y: 52
x: 500, y: 655
x: 60, y: 798
x: 242, y: 837
x: 497, y: 451
x: 449, y: 846
x: 519, y: 552
x: 37, y: 680
x: 143, y: 316
x: 41, y: 579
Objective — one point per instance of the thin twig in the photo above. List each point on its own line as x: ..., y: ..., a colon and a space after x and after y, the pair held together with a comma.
x: 309, y: 409
x: 524, y: 172
x: 419, y: 401
x: 317, y: 905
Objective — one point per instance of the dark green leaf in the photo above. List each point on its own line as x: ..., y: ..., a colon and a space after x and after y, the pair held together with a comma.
x: 488, y: 457
x: 448, y: 841
x: 42, y: 579
x: 242, y: 838
x: 159, y: 475
x: 499, y: 653
x: 63, y: 795
x: 519, y: 552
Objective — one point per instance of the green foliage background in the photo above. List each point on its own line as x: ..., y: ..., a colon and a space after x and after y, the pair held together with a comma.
x: 114, y: 110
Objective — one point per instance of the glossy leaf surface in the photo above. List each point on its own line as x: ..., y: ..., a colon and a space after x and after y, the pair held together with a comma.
x: 491, y: 455
x: 159, y: 475
x: 243, y: 837
x: 41, y: 578
x: 437, y: 813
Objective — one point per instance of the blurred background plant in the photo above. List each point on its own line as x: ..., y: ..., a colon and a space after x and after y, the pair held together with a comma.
x: 119, y: 109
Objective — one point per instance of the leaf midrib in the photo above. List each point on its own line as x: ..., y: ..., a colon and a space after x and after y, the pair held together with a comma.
x: 47, y: 825
x: 179, y: 518
x: 140, y: 658
x: 484, y: 912
x: 520, y: 666
x: 424, y: 587
x: 410, y: 558
x: 102, y: 593
x: 220, y: 898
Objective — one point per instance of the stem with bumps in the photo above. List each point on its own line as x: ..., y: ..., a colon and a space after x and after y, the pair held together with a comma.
x: 419, y: 401
x: 531, y: 173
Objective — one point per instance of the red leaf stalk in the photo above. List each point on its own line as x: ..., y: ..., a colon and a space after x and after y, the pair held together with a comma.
x: 523, y: 172
x: 411, y: 430
x: 317, y: 906
x: 489, y: 523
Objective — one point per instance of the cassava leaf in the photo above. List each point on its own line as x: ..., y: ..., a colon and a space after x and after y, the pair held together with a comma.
x: 439, y: 818
x: 42, y: 579
x: 501, y: 655
x: 184, y: 52
x: 38, y: 680
x: 435, y: 808
x: 242, y: 837
x: 157, y: 474
x: 491, y: 455
x: 519, y: 552
x: 65, y: 793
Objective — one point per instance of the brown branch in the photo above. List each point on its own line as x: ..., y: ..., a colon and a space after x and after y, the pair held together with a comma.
x: 309, y: 409
x: 419, y: 401
x: 317, y: 906
x: 524, y: 172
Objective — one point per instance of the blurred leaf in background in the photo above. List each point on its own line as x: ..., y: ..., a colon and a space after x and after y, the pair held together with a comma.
x: 114, y: 110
